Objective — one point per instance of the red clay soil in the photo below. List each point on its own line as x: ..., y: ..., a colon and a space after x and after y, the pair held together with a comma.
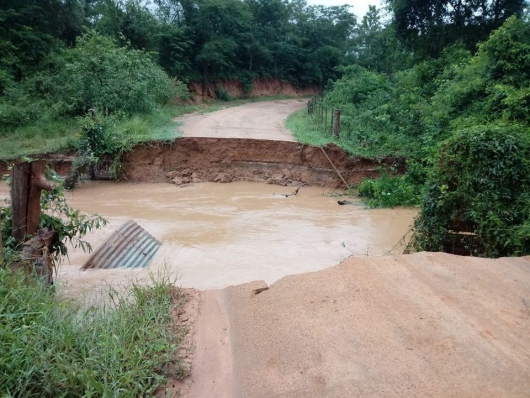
x: 61, y: 163
x: 195, y: 159
x: 422, y: 325
x: 260, y: 88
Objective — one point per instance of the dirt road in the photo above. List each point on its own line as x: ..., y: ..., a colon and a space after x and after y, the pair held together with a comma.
x: 258, y: 120
x: 422, y: 325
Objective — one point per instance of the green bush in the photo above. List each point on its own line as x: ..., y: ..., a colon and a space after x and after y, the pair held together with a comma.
x: 222, y: 94
x: 390, y: 191
x: 103, y: 138
x: 51, y: 347
x: 96, y: 74
x: 480, y: 183
x: 380, y: 116
x: 102, y: 75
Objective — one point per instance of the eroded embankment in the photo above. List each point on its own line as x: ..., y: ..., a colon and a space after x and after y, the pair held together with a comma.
x: 230, y: 159
x: 199, y: 159
x: 261, y: 87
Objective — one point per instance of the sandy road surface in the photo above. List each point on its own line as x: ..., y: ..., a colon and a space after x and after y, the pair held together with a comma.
x: 259, y: 120
x: 422, y: 325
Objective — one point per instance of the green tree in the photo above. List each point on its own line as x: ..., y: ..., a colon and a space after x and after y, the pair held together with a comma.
x: 376, y: 47
x: 217, y: 30
x: 29, y: 29
x: 108, y: 77
x: 428, y: 26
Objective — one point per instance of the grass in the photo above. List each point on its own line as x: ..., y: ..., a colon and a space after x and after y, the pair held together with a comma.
x: 49, y: 135
x: 43, y: 137
x: 51, y: 347
x: 389, y: 190
x: 305, y: 130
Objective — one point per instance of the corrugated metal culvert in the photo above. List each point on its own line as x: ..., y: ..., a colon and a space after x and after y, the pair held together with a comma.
x: 130, y: 246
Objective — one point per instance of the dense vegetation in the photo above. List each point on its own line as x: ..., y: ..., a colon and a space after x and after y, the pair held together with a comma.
x: 192, y: 39
x: 444, y: 84
x: 461, y: 118
x: 60, y: 60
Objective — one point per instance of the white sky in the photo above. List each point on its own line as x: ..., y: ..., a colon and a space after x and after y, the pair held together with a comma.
x: 359, y: 6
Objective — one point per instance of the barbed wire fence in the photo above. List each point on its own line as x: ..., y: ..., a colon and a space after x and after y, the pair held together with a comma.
x: 326, y: 118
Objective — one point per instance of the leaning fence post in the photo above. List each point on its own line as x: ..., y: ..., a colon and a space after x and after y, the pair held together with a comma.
x: 37, y: 184
x: 336, y: 124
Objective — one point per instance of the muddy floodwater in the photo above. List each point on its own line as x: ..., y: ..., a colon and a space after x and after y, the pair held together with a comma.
x: 217, y: 235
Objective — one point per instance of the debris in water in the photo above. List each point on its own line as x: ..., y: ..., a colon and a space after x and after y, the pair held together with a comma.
x: 295, y: 192
x: 347, y: 202
x: 130, y: 246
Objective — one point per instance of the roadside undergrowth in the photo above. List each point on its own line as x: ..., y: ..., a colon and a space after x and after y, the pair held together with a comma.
x: 52, y: 347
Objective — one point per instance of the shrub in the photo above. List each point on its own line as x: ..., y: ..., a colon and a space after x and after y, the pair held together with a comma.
x: 102, y: 139
x: 390, y: 191
x: 105, y: 76
x: 222, y: 94
x: 480, y: 184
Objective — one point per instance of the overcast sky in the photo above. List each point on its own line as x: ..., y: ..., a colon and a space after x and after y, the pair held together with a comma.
x: 359, y: 6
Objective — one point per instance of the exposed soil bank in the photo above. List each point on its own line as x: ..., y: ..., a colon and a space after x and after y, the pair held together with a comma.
x: 200, y: 159
x: 260, y: 87
x: 196, y: 159
x: 422, y: 325
x: 60, y: 162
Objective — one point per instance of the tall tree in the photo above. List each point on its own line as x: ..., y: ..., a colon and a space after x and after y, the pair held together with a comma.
x: 30, y: 28
x: 428, y: 26
x: 375, y: 45
x: 217, y: 30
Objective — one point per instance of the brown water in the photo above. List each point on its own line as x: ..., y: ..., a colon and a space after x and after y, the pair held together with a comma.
x: 216, y: 235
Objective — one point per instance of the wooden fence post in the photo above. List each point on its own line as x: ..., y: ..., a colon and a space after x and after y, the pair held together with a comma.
x: 336, y: 123
x: 326, y: 122
x: 28, y: 182
x: 38, y: 182
x: 1, y: 250
x: 19, y: 200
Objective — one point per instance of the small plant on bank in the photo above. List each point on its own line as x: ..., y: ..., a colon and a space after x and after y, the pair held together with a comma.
x: 101, y: 141
x: 222, y: 94
x: 394, y: 190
